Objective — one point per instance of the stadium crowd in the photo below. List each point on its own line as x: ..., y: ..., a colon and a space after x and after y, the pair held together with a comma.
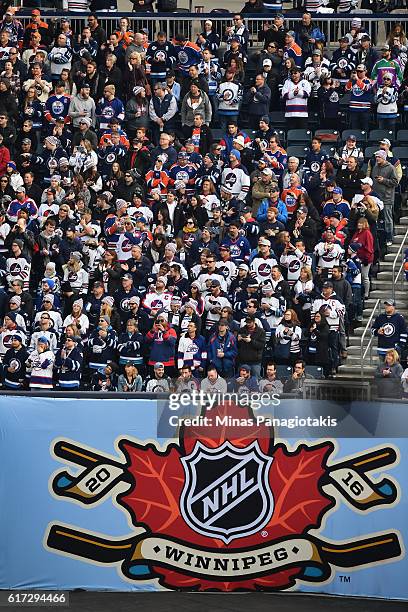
x: 140, y: 251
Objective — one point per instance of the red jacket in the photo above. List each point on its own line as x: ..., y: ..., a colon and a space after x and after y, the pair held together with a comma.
x: 366, y: 251
x: 4, y: 159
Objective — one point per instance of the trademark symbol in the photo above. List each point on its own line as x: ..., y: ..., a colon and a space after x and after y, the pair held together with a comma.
x: 345, y: 578
x: 264, y: 534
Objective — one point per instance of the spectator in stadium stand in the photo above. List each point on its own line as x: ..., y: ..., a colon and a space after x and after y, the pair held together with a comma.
x: 208, y: 38
x: 295, y: 383
x: 273, y: 32
x: 308, y: 35
x: 134, y: 224
x: 295, y: 94
x: 360, y: 87
x: 388, y: 376
x: 384, y: 183
x: 390, y: 328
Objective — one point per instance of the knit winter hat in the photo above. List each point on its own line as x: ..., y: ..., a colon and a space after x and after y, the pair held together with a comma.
x: 79, y: 303
x: 50, y: 282
x: 49, y: 269
x: 105, y: 318
x: 43, y: 340
x: 19, y: 243
x: 108, y: 300
x: 171, y: 247
x: 16, y: 299
x: 192, y: 304
x: 48, y: 298
x: 137, y: 90
x: 379, y: 153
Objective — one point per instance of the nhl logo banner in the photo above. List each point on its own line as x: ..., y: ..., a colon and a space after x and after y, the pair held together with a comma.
x: 225, y: 508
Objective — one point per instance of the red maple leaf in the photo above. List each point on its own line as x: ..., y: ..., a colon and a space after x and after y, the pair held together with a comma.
x: 299, y: 502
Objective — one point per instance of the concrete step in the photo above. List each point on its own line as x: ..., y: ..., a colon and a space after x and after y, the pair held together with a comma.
x: 394, y: 247
x: 354, y: 350
x: 388, y: 265
x: 355, y: 360
x: 354, y: 371
x: 384, y: 285
x: 400, y: 295
x: 384, y: 275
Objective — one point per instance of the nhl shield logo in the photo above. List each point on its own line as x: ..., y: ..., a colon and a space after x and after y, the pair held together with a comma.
x: 226, y: 494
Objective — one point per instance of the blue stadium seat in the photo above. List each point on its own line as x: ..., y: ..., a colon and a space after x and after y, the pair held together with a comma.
x: 402, y: 154
x: 377, y: 135
x: 277, y: 119
x: 315, y: 371
x: 283, y: 372
x: 402, y: 138
x: 297, y: 151
x: 299, y: 137
x: 369, y: 152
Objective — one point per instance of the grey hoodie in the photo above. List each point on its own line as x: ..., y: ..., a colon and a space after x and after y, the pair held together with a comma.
x: 386, y: 189
x: 78, y: 105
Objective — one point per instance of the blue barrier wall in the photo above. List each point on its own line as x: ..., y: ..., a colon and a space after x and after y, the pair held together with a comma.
x: 92, y: 498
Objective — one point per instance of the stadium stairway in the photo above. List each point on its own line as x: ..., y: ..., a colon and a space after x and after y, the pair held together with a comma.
x: 381, y: 289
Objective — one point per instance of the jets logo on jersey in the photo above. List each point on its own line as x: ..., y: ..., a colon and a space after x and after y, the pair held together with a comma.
x: 15, y: 364
x: 126, y: 245
x: 235, y: 251
x: 160, y: 56
x: 15, y: 269
x: 228, y: 95
x: 264, y: 270
x: 342, y: 63
x: 389, y: 329
x: 124, y: 304
x: 110, y: 158
x: 192, y: 348
x: 52, y: 163
x: 72, y: 277
x: 108, y: 112
x: 334, y: 97
x: 157, y: 304
x: 315, y: 167
x: 329, y: 256
x: 294, y: 266
x: 7, y: 340
x: 230, y: 179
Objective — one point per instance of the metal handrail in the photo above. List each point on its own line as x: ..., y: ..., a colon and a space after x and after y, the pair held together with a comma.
x: 363, y: 352
x: 396, y: 259
x: 401, y: 269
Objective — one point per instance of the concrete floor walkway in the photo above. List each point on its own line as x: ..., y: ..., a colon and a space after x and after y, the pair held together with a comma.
x: 255, y: 602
